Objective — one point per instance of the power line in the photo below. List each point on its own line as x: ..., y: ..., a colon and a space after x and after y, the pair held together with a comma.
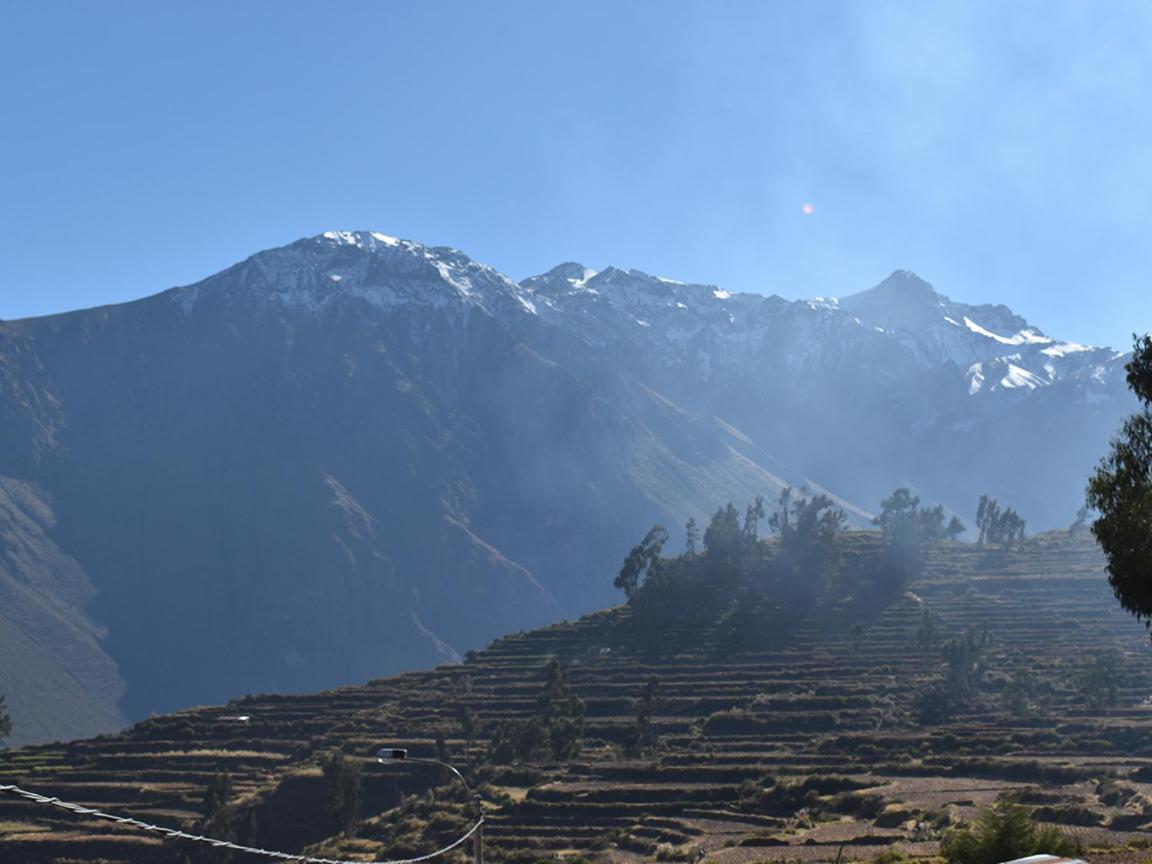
x: 175, y: 834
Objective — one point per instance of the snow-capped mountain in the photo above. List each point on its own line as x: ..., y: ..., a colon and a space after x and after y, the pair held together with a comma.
x: 382, y: 271
x: 356, y: 454
x: 997, y: 349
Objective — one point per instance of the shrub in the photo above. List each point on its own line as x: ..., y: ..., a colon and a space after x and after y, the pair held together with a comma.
x: 1004, y: 832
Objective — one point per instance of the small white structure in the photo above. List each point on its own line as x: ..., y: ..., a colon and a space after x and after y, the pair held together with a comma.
x: 1045, y: 859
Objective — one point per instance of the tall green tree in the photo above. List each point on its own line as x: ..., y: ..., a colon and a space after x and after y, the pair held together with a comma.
x: 342, y: 792
x: 561, y: 712
x: 5, y: 720
x: 998, y: 525
x: 722, y: 536
x: 966, y: 658
x: 646, y: 707
x: 217, y: 796
x: 1121, y: 491
x: 753, y: 515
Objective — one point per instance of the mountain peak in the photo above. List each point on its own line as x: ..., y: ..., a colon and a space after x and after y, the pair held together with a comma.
x: 360, y: 239
x: 377, y: 268
x: 901, y: 286
x: 908, y: 283
x: 563, y: 278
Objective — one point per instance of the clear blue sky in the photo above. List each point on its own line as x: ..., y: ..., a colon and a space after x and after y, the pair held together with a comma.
x: 1001, y: 150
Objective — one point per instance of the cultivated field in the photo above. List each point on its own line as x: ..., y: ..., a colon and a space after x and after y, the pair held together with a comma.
x: 778, y: 737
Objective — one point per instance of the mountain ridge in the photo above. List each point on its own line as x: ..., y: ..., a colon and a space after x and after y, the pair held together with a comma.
x: 354, y: 454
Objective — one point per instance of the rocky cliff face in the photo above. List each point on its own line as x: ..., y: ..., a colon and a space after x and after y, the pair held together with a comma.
x: 356, y: 454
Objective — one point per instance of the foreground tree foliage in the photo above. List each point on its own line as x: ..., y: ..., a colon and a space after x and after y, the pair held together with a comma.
x: 1121, y: 490
x: 1002, y: 833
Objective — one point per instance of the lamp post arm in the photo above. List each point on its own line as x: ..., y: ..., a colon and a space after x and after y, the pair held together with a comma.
x: 477, y: 831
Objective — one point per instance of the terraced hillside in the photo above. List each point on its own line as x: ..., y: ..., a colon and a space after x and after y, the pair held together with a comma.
x: 775, y: 737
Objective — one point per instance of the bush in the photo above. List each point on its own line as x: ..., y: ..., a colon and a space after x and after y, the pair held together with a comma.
x: 1003, y: 833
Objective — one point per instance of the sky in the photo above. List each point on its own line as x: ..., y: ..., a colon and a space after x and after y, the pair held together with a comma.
x: 999, y: 150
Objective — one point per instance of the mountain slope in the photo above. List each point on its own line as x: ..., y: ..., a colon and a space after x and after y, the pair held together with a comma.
x: 340, y: 458
x: 355, y: 454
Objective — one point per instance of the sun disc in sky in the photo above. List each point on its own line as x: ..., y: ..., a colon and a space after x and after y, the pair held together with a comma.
x: 808, y: 209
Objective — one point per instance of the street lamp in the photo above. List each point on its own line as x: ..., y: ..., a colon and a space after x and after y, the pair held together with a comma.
x: 400, y: 754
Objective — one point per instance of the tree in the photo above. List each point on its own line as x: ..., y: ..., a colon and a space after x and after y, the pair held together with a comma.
x: 856, y: 634
x: 217, y: 795
x: 5, y: 720
x: 561, y: 713
x: 1004, y: 832
x: 955, y: 529
x: 342, y: 792
x: 722, y: 536
x: 642, y: 561
x: 1099, y: 682
x: 646, y: 707
x: 987, y: 514
x: 691, y: 536
x: 997, y: 525
x: 965, y: 656
x: 467, y: 718
x: 750, y: 533
x: 909, y: 531
x: 1019, y: 693
x: 1121, y: 490
x: 1081, y: 520
x: 218, y: 816
x: 927, y: 632
x: 905, y: 546
x: 556, y: 730
x: 809, y: 531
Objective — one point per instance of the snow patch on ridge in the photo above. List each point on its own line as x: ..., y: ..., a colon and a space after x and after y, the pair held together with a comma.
x: 1024, y: 337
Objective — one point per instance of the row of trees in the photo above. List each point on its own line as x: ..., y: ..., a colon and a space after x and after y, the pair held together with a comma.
x: 807, y: 531
x: 997, y: 525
